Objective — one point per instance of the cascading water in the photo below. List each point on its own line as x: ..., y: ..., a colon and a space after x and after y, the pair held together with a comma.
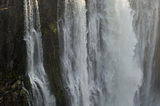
x: 74, y: 54
x: 38, y: 78
x: 105, y: 46
x: 97, y: 44
x: 146, y: 24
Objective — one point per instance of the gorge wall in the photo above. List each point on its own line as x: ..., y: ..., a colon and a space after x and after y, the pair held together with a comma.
x: 13, y: 51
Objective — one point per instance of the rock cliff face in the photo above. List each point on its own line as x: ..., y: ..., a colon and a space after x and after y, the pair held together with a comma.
x: 13, y: 51
x: 48, y: 15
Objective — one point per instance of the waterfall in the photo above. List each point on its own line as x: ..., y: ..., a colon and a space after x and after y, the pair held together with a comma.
x: 97, y: 52
x: 146, y: 24
x: 118, y: 73
x: 38, y: 78
x: 74, y: 54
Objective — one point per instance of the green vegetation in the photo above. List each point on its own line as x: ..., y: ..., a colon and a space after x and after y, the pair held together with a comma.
x: 53, y: 27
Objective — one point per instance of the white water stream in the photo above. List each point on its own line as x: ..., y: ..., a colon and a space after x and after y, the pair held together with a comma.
x: 38, y: 78
x: 146, y: 26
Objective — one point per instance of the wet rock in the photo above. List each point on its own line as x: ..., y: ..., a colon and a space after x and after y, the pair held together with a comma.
x: 48, y: 15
